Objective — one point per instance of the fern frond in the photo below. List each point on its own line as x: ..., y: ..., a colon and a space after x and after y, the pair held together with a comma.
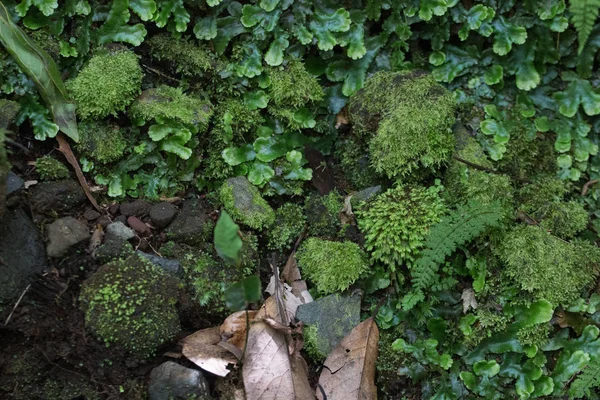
x: 586, y: 381
x: 583, y: 16
x: 460, y: 227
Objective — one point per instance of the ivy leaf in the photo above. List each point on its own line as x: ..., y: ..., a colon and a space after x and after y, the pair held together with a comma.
x: 260, y: 173
x: 227, y: 240
x: 270, y: 148
x: 268, y: 5
x: 115, y: 29
x: 274, y: 55
x: 579, y: 92
x: 256, y: 100
x: 238, y: 155
x: 458, y: 60
x: 323, y: 25
x: 305, y: 118
x: 506, y: 34
x: 145, y: 9
x: 206, y: 28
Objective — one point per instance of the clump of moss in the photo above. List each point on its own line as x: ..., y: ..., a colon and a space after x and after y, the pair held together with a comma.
x: 131, y: 303
x: 50, y: 169
x: 332, y: 266
x: 234, y: 120
x: 101, y: 141
x: 107, y: 84
x: 184, y: 56
x: 409, y: 117
x: 323, y: 214
x: 170, y: 103
x: 289, y: 223
x: 243, y: 202
x: 547, y: 266
x: 396, y: 223
x: 293, y: 86
x: 355, y: 163
x: 311, y: 336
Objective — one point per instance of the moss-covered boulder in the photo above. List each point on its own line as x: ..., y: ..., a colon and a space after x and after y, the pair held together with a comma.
x: 289, y: 223
x: 182, y: 55
x: 131, y: 303
x: 407, y: 120
x: 50, y: 169
x: 323, y: 214
x: 101, y: 141
x: 243, y: 202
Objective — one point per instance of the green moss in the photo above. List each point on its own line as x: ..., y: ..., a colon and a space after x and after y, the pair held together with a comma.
x: 332, y: 266
x: 323, y: 214
x: 355, y: 163
x: 101, y: 141
x: 544, y: 190
x: 311, y: 337
x: 396, y: 223
x: 50, y: 169
x: 131, y: 303
x: 534, y: 335
x: 184, y: 56
x: 409, y: 117
x: 243, y: 202
x: 235, y: 121
x: 289, y: 223
x: 8, y: 111
x: 170, y: 103
x: 546, y: 266
x: 107, y: 84
x: 293, y: 86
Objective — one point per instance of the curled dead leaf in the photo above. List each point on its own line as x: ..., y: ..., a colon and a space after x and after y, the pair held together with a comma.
x: 468, y: 299
x: 202, y: 349
x: 233, y: 328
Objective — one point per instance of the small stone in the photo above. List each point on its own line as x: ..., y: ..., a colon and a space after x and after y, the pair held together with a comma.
x: 120, y: 230
x: 57, y: 196
x: 121, y: 218
x: 162, y: 214
x: 65, y: 233
x: 171, y: 381
x: 168, y: 265
x: 138, y: 226
x: 13, y: 183
x: 137, y: 208
x: 114, y: 209
x: 192, y: 225
x: 91, y: 215
x: 113, y: 248
x: 365, y: 194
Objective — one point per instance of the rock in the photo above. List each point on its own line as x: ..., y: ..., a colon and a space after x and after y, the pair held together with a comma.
x: 192, y: 225
x: 113, y: 248
x: 21, y: 251
x: 244, y: 203
x: 120, y: 230
x: 171, y: 381
x: 162, y: 214
x: 365, y: 194
x: 58, y: 196
x: 91, y: 215
x: 121, y: 218
x: 13, y: 183
x: 138, y: 226
x: 104, y: 221
x: 334, y: 316
x: 114, y: 209
x: 137, y: 208
x: 173, y: 267
x: 65, y: 233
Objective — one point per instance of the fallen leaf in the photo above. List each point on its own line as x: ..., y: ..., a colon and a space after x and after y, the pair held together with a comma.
x: 346, y: 215
x: 349, y: 371
x: 291, y: 272
x: 233, y: 328
x: 29, y: 184
x: 291, y: 301
x: 269, y: 370
x: 202, y: 349
x: 342, y: 118
x: 96, y: 239
x: 469, y: 301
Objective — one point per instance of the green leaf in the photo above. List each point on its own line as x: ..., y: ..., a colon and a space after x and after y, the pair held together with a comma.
x: 175, y: 8
x: 305, y: 118
x: 251, y: 65
x: 458, y: 60
x: 253, y: 15
x: 521, y: 64
x: 270, y: 148
x: 256, y: 100
x: 260, y: 173
x: 227, y: 29
x: 227, y: 240
x: 584, y: 14
x: 323, y: 25
x: 213, y: 3
x: 239, y: 295
x: 47, y: 7
x: 38, y: 115
x: 493, y: 75
x: 486, y: 368
x: 42, y: 70
x: 354, y: 40
x: 145, y: 9
x: 115, y: 29
x: 437, y: 58
x: 274, y: 55
x: 506, y: 34
x: 206, y: 28
x: 579, y: 92
x: 175, y: 143
x: 238, y: 155
x: 269, y: 5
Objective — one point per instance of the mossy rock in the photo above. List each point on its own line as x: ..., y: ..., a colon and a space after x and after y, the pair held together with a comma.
x: 50, y: 169
x: 289, y: 223
x: 8, y: 111
x: 183, y: 55
x: 243, y: 202
x: 323, y: 214
x: 131, y: 303
x: 101, y: 141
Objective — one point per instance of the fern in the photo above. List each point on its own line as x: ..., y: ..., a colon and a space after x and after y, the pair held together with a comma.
x: 460, y: 227
x: 586, y: 381
x: 584, y: 14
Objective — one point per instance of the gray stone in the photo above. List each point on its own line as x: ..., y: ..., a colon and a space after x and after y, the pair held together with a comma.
x: 120, y: 230
x: 91, y: 215
x: 65, y: 233
x: 171, y: 381
x: 58, y: 196
x: 136, y: 208
x: 113, y: 248
x: 168, y: 265
x: 13, y: 183
x: 22, y: 253
x: 162, y: 214
x: 334, y: 316
x: 365, y: 194
x: 192, y: 225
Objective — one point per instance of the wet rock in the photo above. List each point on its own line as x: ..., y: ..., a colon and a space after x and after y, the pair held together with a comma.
x: 65, y: 233
x: 192, y: 225
x: 13, y: 183
x: 170, y: 266
x: 138, y: 226
x: 162, y: 214
x: 58, y: 196
x: 91, y: 215
x: 333, y: 316
x: 120, y: 230
x: 171, y: 381
x: 22, y: 253
x: 136, y: 208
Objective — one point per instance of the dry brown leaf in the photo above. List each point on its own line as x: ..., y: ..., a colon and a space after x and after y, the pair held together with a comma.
x: 469, y: 301
x: 349, y: 371
x: 291, y: 300
x: 342, y: 118
x: 96, y: 239
x: 347, y: 215
x: 233, y: 329
x: 269, y: 370
x: 291, y: 272
x: 202, y: 349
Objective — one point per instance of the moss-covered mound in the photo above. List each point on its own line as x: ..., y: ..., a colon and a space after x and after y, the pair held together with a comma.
x: 50, y: 169
x: 243, y: 202
x: 101, y: 141
x: 131, y: 303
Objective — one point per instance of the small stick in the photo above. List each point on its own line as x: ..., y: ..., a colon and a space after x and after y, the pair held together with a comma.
x: 16, y: 305
x: 587, y: 185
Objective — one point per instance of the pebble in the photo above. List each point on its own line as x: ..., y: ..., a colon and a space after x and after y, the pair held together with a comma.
x: 137, y: 225
x: 162, y: 214
x: 120, y: 230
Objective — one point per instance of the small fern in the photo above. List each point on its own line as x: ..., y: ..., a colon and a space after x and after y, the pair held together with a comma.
x: 458, y: 228
x: 586, y: 381
x: 584, y: 14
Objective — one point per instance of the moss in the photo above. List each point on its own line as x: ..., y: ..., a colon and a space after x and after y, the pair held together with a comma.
x: 107, y: 84
x: 101, y: 141
x: 396, y: 223
x: 170, y: 103
x: 323, y: 214
x: 289, y: 223
x: 355, y: 163
x: 235, y: 121
x: 8, y: 111
x: 534, y: 335
x: 544, y: 190
x: 409, y: 117
x: 243, y: 202
x: 293, y: 86
x: 131, y: 303
x: 184, y: 56
x: 50, y: 169
x: 311, y: 337
x: 332, y: 266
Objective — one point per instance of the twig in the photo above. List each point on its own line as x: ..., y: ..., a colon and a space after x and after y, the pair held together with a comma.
x: 157, y: 72
x: 17, y: 145
x: 587, y: 185
x: 473, y: 165
x: 16, y: 305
